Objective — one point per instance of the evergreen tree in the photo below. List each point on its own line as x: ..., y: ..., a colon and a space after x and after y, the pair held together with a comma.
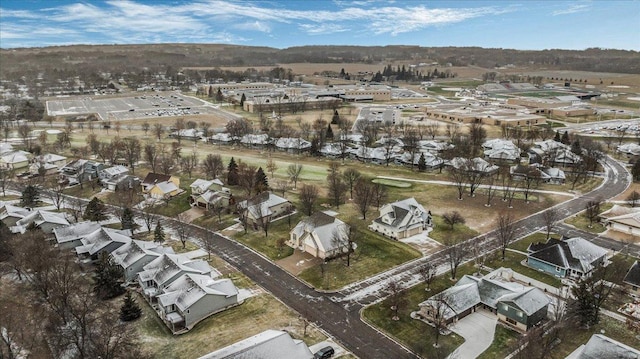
x: 243, y: 99
x: 107, y: 278
x: 30, y: 196
x: 575, y: 147
x: 336, y: 118
x: 329, y: 132
x: 158, y: 233
x: 422, y: 163
x: 262, y: 183
x: 130, y: 309
x: 565, y: 138
x: 219, y: 96
x: 557, y: 137
x: 232, y: 173
x: 210, y: 94
x: 127, y: 219
x: 95, y: 211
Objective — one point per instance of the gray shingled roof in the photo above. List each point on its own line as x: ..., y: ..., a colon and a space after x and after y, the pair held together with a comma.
x: 633, y: 275
x: 270, y: 344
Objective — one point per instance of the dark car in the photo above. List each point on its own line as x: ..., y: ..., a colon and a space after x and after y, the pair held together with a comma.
x: 324, y: 353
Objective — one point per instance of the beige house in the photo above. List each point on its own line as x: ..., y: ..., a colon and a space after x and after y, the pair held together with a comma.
x: 321, y: 235
x: 264, y: 207
x: 402, y: 219
x: 161, y: 186
x: 15, y: 160
x: 622, y: 219
x: 210, y: 193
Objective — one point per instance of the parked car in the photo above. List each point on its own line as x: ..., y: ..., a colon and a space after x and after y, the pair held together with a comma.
x: 324, y: 353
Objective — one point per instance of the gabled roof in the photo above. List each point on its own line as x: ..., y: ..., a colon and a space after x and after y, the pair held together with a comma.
x: 166, y: 266
x: 572, y: 253
x: 399, y: 213
x: 166, y: 187
x: 5, y: 147
x: 625, y: 215
x: 75, y: 231
x: 633, y: 275
x: 115, y: 170
x: 98, y: 240
x: 39, y: 217
x: 270, y: 344
x: 189, y: 288
x: 15, y: 157
x: 602, y: 347
x: 9, y: 210
x: 292, y: 143
x: 202, y: 185
x: 476, y: 164
x: 50, y: 157
x: 265, y: 201
x: 323, y: 228
x: 470, y: 291
x: 132, y: 252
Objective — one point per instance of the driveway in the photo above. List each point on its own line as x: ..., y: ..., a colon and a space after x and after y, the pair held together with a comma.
x: 477, y: 329
x: 297, y: 262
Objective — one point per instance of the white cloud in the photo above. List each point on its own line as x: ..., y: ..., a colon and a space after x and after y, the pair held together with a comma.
x: 322, y: 29
x: 254, y: 26
x: 572, y: 9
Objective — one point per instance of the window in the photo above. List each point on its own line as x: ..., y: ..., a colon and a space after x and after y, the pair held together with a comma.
x: 511, y: 321
x: 519, y: 314
x: 557, y: 269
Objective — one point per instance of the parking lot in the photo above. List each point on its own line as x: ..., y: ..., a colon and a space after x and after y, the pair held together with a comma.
x: 132, y: 107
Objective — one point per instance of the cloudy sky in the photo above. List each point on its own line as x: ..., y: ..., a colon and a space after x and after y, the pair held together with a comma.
x: 522, y: 24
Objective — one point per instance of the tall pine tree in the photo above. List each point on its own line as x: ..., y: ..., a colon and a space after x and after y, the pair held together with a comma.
x: 130, y: 309
x: 262, y: 183
x: 127, y: 219
x: 95, y: 211
x: 329, y: 132
x: 108, y: 278
x: 158, y: 233
x: 422, y: 163
x: 232, y: 173
x: 30, y: 196
x: 335, y: 120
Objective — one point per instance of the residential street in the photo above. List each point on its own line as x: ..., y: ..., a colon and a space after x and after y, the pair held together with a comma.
x: 339, y: 313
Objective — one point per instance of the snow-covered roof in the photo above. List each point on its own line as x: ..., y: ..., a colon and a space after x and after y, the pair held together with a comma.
x: 270, y: 344
x: 251, y: 139
x: 201, y: 185
x: 5, y: 147
x: 130, y: 253
x: 476, y: 164
x: 573, y: 253
x: 554, y: 172
x: 51, y: 157
x: 168, y: 265
x: 292, y: 143
x: 75, y: 231
x: 629, y: 216
x: 488, y: 290
x: 222, y: 137
x: 600, y: 347
x: 166, y: 186
x: 15, y: 157
x: 260, y: 205
x: 99, y: 239
x: 630, y: 148
x: 115, y: 170
x: 9, y: 210
x: 320, y: 229
x: 39, y: 217
x: 190, y: 288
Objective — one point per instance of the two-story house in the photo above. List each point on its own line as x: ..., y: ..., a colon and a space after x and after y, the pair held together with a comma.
x: 160, y: 186
x: 192, y: 298
x: 133, y: 256
x: 266, y: 206
x: 402, y: 219
x: 321, y: 235
x: 209, y: 193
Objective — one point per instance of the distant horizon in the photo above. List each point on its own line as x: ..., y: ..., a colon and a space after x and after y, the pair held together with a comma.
x: 316, y: 45
x: 517, y: 25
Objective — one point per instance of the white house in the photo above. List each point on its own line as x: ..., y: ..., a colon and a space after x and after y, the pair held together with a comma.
x: 623, y: 219
x: 71, y: 236
x: 321, y: 235
x: 264, y: 207
x: 192, y: 298
x: 163, y: 270
x: 10, y: 214
x: 103, y: 240
x: 44, y: 220
x: 270, y: 344
x: 133, y: 256
x: 402, y: 219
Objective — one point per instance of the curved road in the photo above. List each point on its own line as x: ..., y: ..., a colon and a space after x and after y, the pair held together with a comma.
x: 339, y: 313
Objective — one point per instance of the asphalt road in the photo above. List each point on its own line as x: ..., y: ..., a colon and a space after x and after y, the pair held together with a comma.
x: 339, y: 313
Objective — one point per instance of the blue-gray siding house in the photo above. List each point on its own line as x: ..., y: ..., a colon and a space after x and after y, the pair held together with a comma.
x: 566, y: 258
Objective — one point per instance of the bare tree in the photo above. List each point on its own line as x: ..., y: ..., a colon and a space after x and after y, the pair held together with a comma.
x: 131, y: 150
x: 477, y: 136
x: 76, y: 206
x: 350, y: 176
x: 182, y: 228
x: 364, y: 195
x: 148, y: 217
x: 166, y: 164
x: 379, y: 194
x: 438, y: 315
x: 432, y: 129
x: 5, y: 176
x: 189, y: 163
x: 490, y: 190
x: 452, y: 132
x: 397, y: 298
x: 505, y: 231
x: 458, y: 177
x: 344, y: 239
x: 308, y: 198
x: 455, y: 253
x: 294, y: 171
x: 550, y: 217
x: 209, y: 243
x: 452, y: 218
x: 158, y: 130
x: 428, y: 274
x: 247, y: 177
x: 55, y: 193
x: 151, y: 156
x: 271, y: 166
x: 592, y: 210
x: 336, y: 188
x: 212, y: 165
